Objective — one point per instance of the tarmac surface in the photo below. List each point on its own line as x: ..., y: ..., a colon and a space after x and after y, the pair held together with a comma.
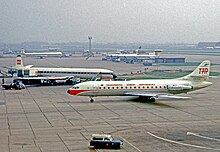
x: 43, y: 119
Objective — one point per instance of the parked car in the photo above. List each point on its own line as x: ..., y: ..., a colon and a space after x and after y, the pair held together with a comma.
x: 105, y: 141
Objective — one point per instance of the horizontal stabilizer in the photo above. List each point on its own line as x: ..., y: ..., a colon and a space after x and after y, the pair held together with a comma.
x: 28, y: 66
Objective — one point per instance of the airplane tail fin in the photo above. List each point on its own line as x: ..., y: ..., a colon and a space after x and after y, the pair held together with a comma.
x: 19, y: 62
x: 22, y: 51
x: 157, y: 53
x: 201, y: 73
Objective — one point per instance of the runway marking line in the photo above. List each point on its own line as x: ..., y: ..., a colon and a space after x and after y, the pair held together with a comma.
x: 184, y: 144
x: 92, y: 150
x: 131, y: 144
x: 201, y: 136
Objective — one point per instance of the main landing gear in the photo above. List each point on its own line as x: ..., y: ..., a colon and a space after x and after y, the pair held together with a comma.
x: 91, y: 100
x: 151, y: 99
x: 147, y: 99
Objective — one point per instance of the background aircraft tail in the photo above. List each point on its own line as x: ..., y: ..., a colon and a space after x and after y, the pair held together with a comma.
x: 22, y: 51
x: 201, y: 73
x: 157, y: 53
x: 19, y: 62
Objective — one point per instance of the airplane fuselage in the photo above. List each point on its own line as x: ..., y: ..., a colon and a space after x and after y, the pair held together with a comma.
x: 119, y: 88
x: 149, y: 89
x: 85, y: 73
x: 42, y: 54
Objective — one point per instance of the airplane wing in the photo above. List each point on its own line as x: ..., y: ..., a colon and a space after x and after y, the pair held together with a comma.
x: 155, y: 95
x: 173, y: 97
x: 9, y: 68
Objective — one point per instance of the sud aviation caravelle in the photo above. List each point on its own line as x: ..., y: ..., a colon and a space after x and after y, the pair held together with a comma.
x: 148, y: 90
x: 32, y: 75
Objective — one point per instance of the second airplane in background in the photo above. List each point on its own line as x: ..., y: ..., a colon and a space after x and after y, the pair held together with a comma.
x: 35, y: 75
x: 42, y: 54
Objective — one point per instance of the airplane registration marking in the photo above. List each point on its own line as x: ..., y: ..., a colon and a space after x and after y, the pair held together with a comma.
x: 130, y: 85
x: 145, y: 84
x: 180, y: 143
x: 113, y: 84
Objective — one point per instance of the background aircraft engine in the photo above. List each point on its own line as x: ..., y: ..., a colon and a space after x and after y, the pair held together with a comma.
x: 179, y: 87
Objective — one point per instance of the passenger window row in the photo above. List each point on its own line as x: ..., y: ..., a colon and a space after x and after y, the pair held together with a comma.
x: 64, y: 72
x: 75, y: 87
x: 134, y: 87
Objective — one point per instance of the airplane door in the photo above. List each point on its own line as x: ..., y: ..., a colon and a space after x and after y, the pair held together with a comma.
x: 20, y: 74
x: 95, y: 86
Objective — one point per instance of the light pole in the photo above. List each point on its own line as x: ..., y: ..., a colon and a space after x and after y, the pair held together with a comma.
x: 90, y: 42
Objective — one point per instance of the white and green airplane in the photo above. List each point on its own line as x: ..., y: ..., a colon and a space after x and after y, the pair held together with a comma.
x: 31, y: 75
x: 149, y: 89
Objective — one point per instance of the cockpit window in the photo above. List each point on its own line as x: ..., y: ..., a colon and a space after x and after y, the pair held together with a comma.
x: 75, y: 87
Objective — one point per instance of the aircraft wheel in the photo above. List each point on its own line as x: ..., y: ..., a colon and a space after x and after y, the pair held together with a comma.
x: 152, y: 100
x: 141, y: 98
x: 91, y: 100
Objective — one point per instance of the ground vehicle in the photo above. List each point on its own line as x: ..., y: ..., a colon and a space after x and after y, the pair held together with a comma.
x: 105, y: 141
x: 17, y: 85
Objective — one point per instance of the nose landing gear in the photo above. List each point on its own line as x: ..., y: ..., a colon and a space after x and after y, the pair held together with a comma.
x: 91, y: 100
x: 147, y: 99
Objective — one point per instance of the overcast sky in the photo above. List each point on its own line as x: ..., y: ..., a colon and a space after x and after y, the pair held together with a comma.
x: 148, y: 21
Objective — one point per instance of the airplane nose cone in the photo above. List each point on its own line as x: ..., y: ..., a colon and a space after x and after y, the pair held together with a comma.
x: 68, y: 91
x: 73, y: 91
